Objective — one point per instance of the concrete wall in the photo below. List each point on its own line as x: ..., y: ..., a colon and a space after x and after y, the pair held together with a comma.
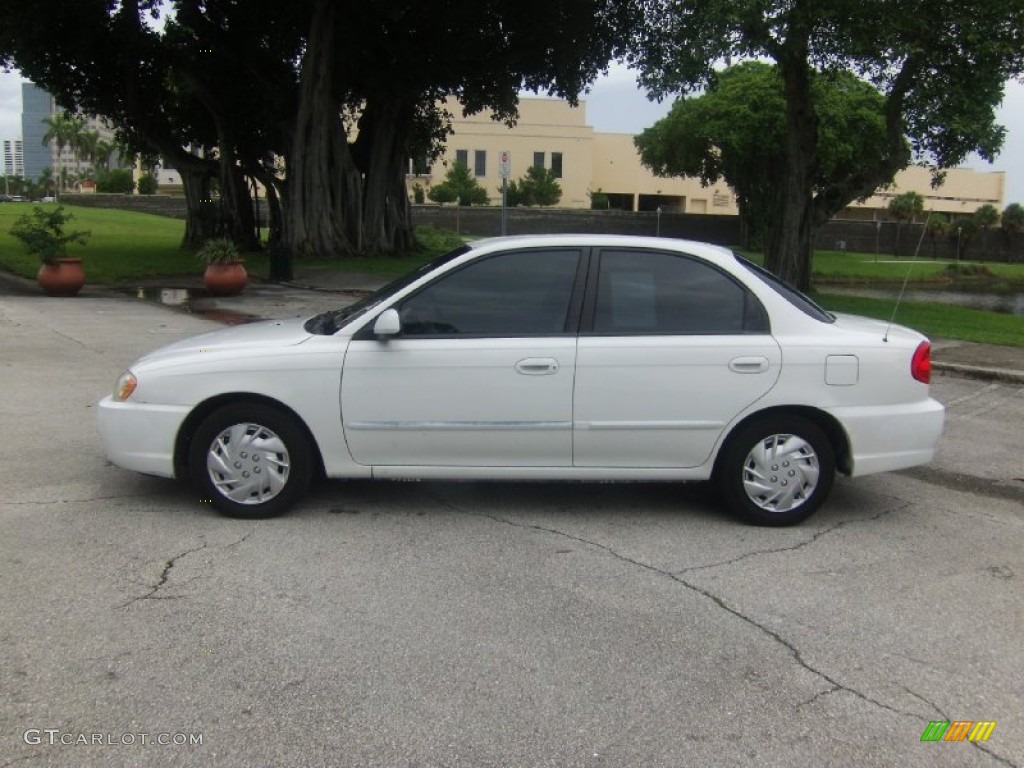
x: 161, y: 205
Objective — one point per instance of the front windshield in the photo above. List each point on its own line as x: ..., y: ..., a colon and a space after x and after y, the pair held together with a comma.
x: 327, y: 323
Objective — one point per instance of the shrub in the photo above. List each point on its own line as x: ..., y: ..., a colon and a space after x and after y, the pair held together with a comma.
x: 116, y: 181
x: 459, y: 185
x: 219, y: 250
x: 42, y: 233
x: 147, y: 184
x: 969, y: 270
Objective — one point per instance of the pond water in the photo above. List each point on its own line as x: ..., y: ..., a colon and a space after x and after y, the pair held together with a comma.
x: 1009, y: 303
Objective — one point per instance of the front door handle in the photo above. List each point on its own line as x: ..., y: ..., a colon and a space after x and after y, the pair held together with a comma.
x: 748, y: 364
x: 537, y: 366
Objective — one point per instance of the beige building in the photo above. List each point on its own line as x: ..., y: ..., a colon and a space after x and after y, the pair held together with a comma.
x: 963, y: 191
x: 553, y: 134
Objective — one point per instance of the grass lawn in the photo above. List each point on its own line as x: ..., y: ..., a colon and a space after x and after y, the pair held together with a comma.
x: 842, y: 266
x: 123, y: 244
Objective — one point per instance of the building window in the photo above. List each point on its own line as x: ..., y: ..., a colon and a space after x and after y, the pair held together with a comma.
x: 538, y: 159
x: 462, y: 157
x: 419, y: 166
x: 480, y: 162
x: 556, y: 164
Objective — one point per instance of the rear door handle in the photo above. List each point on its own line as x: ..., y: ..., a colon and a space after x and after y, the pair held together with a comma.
x: 748, y: 364
x: 537, y: 366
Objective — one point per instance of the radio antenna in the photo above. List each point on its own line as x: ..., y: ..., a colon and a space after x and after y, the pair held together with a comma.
x: 906, y: 277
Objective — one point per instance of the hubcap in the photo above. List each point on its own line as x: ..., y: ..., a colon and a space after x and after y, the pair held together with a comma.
x: 248, y: 463
x: 780, y: 473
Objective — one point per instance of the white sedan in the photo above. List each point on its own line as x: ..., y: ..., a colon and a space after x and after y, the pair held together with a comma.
x: 540, y: 358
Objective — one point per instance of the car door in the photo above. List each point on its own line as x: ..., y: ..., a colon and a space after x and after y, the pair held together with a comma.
x: 481, y: 373
x: 671, y: 350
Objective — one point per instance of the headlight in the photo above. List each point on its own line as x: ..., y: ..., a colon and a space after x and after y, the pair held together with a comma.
x: 125, y: 386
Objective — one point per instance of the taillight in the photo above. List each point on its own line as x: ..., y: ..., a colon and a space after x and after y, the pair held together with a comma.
x: 921, y: 363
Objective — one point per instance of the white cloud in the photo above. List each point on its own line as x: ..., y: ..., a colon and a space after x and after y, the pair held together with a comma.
x: 1011, y: 158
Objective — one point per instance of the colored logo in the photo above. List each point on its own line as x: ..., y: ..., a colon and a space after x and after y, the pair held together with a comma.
x: 958, y: 730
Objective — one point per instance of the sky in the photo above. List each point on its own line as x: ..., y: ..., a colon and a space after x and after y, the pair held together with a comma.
x: 616, y: 105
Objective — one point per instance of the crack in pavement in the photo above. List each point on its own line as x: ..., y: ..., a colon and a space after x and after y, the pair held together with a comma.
x: 818, y: 695
x: 236, y: 543
x: 164, y: 576
x: 82, y: 344
x: 807, y: 542
x: 169, y: 565
x: 795, y: 652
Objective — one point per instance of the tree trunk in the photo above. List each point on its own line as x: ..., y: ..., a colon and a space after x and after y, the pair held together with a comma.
x: 237, y: 220
x: 323, y: 200
x: 790, y: 240
x: 275, y: 227
x: 201, y: 216
x: 380, y: 152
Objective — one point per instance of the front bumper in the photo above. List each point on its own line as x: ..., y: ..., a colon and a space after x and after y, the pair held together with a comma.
x: 886, y: 438
x: 140, y: 436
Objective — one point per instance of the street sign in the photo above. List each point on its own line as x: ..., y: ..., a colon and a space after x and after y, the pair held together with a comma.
x: 505, y: 163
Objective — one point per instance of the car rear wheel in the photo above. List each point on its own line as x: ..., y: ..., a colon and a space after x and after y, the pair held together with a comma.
x: 777, y: 470
x: 250, y: 460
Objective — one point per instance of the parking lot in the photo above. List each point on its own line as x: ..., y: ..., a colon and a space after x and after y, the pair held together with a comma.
x: 424, y: 624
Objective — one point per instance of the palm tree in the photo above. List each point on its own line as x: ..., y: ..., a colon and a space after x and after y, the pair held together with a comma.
x: 59, y: 130
x: 47, y: 181
x: 86, y: 144
x: 905, y: 207
x: 102, y: 153
x: 78, y: 140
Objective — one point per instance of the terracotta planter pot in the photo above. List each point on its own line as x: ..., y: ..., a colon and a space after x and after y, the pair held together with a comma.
x: 225, y: 279
x: 64, y: 278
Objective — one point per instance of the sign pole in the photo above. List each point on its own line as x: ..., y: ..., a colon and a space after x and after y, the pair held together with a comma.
x: 504, y: 205
x: 505, y: 168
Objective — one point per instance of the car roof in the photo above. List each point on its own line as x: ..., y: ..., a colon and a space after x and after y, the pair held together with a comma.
x: 598, y: 240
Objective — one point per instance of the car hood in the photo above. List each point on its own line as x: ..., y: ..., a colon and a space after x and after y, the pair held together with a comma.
x: 269, y: 334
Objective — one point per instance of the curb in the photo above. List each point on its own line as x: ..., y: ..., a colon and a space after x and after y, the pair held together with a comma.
x: 979, y: 372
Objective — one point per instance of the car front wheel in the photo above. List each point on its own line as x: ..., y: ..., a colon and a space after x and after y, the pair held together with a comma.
x: 777, y: 470
x: 250, y: 460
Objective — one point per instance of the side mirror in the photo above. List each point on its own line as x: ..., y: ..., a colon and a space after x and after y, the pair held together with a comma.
x: 387, y: 324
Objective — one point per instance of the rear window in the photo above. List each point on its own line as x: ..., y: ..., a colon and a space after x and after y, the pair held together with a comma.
x: 788, y: 292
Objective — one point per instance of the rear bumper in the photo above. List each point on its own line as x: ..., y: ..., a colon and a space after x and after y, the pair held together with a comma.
x: 139, y: 436
x: 885, y: 438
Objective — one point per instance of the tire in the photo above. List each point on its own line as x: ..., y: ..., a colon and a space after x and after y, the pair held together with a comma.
x: 776, y: 471
x: 250, y: 460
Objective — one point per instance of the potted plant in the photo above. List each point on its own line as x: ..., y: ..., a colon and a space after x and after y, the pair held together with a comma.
x: 225, y: 273
x: 43, y: 235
